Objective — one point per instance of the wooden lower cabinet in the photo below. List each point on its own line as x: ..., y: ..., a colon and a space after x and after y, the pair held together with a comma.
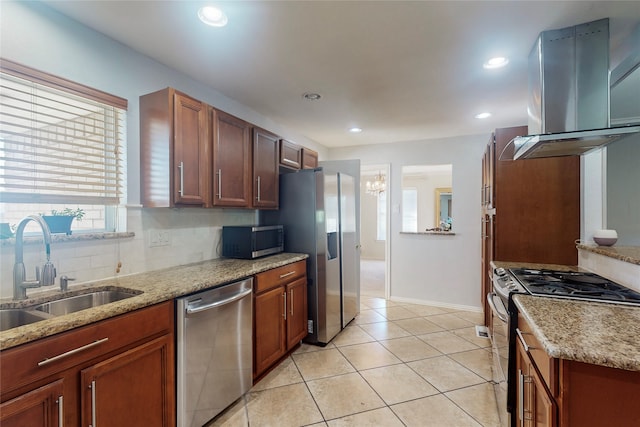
x: 565, y: 393
x: 39, y: 407
x: 119, y: 371
x: 280, y: 314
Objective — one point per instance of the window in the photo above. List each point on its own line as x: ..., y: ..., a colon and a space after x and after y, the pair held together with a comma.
x: 410, y: 210
x: 61, y: 145
x: 381, y: 226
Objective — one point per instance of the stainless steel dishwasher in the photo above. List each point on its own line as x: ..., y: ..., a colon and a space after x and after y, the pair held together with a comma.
x: 214, y: 351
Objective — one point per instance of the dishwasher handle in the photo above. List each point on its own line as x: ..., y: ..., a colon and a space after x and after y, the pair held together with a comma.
x: 219, y: 303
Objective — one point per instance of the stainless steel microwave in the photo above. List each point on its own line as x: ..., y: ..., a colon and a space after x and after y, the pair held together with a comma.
x: 249, y: 241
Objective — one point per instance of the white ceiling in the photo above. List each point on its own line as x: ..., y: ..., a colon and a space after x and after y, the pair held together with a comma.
x: 401, y: 70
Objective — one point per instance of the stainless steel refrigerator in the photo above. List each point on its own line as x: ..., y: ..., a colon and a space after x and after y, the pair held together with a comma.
x: 319, y: 209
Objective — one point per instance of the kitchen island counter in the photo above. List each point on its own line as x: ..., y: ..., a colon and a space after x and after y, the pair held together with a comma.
x: 590, y: 332
x: 156, y: 287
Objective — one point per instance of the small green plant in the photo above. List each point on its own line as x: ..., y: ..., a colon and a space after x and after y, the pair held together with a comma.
x: 76, y: 213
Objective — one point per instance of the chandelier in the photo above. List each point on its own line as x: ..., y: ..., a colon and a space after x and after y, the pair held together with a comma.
x: 377, y: 186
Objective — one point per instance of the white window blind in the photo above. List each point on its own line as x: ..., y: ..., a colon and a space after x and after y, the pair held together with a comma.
x: 58, y: 145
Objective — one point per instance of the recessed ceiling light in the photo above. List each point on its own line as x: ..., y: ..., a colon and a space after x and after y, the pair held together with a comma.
x: 311, y: 96
x: 497, y: 62
x: 482, y: 115
x: 212, y: 16
x: 355, y: 130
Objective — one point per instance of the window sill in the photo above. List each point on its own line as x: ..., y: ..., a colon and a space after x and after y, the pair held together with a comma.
x: 431, y: 233
x: 57, y: 238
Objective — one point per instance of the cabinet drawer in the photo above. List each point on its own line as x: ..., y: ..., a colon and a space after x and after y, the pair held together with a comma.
x: 546, y: 365
x: 32, y: 361
x: 279, y: 276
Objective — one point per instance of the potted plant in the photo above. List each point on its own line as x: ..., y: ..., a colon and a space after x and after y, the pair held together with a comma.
x: 60, y: 221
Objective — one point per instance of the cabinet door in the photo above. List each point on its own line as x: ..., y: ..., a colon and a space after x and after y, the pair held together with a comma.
x: 231, y: 160
x: 534, y: 407
x: 269, y: 327
x: 40, y: 407
x: 296, y: 311
x: 290, y: 154
x: 265, y: 169
x: 309, y: 159
x: 134, y: 388
x: 191, y: 163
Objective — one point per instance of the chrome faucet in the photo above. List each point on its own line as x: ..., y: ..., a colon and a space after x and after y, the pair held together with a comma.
x: 48, y: 275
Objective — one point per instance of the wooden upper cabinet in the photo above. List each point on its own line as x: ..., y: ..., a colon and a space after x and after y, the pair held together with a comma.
x: 231, y: 160
x: 175, y: 151
x: 290, y: 154
x: 265, y: 169
x: 309, y: 158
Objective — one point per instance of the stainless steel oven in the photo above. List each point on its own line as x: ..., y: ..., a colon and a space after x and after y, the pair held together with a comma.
x: 498, y: 300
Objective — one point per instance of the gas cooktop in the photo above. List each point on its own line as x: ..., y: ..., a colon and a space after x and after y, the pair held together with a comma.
x: 574, y: 285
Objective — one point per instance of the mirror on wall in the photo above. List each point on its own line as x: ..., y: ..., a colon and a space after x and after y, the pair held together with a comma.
x: 427, y: 198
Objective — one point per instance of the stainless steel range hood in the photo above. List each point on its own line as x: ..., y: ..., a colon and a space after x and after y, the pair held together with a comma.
x: 569, y: 94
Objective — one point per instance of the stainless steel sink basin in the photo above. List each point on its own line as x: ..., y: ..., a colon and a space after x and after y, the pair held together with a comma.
x: 81, y: 302
x: 14, y: 317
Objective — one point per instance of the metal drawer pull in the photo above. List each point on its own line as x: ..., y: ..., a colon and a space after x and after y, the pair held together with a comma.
x: 60, y: 403
x: 219, y: 183
x: 524, y: 343
x: 282, y: 276
x: 72, y: 352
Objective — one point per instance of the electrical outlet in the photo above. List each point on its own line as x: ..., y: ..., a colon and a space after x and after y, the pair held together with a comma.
x: 159, y: 238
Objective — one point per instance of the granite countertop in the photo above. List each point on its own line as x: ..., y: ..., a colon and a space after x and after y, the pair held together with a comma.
x: 156, y: 287
x: 630, y: 254
x: 596, y: 333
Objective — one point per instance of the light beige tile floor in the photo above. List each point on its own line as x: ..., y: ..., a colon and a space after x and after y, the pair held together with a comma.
x: 395, y: 365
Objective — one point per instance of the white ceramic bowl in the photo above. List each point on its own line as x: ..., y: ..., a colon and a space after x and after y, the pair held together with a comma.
x: 605, y: 237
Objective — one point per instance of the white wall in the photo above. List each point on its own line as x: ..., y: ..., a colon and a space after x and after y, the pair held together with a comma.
x: 36, y: 36
x: 429, y: 268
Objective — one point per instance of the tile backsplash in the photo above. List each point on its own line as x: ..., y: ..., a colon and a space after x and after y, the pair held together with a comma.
x: 163, y: 238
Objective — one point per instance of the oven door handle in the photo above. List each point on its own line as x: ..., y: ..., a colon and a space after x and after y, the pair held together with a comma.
x: 492, y: 304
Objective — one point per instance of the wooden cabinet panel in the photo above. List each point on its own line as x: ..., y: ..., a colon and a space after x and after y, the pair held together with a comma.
x: 290, y: 154
x: 309, y: 158
x: 231, y: 160
x: 131, y: 388
x: 265, y: 169
x: 38, y: 408
x: 174, y: 150
x: 297, y: 311
x: 535, y: 406
x: 537, y: 205
x: 270, y: 338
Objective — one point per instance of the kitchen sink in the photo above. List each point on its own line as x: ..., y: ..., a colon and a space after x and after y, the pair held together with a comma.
x: 81, y: 302
x: 14, y: 317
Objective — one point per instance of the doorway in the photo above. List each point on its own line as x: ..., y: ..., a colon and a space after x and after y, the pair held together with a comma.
x: 374, y: 230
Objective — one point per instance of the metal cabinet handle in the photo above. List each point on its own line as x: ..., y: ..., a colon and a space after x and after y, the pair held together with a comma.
x: 93, y: 403
x: 60, y: 403
x: 291, y: 302
x: 282, y: 276
x: 258, y: 197
x: 72, y: 352
x: 521, y: 397
x: 524, y: 343
x: 181, y: 167
x: 219, y: 183
x: 284, y: 313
